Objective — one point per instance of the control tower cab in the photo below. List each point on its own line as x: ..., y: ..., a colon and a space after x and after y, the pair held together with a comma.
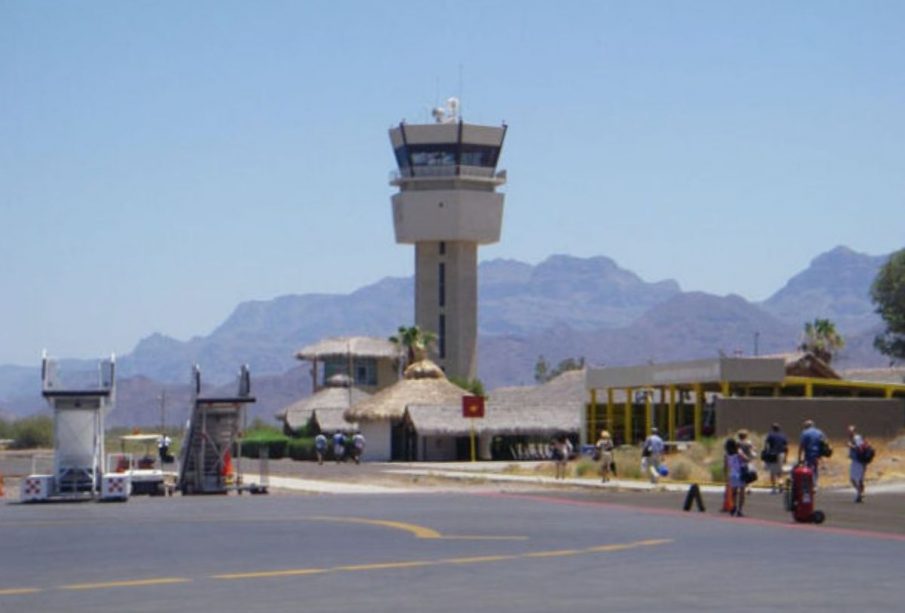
x: 447, y: 205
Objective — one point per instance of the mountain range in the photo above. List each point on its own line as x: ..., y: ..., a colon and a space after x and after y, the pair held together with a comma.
x: 563, y: 307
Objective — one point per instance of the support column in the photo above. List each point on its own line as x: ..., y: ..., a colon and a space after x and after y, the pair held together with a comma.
x: 698, y: 410
x: 671, y: 415
x: 609, y: 411
x: 628, y: 416
x: 647, y: 411
x: 592, y: 429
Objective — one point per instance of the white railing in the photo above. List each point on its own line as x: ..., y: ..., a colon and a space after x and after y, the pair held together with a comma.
x: 419, y: 172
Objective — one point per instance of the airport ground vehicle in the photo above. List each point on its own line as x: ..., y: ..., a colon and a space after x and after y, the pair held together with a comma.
x: 139, y: 460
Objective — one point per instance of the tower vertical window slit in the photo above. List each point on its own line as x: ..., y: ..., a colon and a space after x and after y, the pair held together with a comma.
x: 441, y: 341
x: 441, y: 284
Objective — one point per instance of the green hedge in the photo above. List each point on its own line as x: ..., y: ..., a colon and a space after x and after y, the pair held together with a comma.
x: 278, y: 444
x: 301, y: 449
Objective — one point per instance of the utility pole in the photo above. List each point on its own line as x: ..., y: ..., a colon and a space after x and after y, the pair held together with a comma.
x: 163, y: 411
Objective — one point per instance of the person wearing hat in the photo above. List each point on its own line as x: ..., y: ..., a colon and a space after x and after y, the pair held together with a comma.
x: 746, y: 449
x: 651, y: 453
x: 605, y: 454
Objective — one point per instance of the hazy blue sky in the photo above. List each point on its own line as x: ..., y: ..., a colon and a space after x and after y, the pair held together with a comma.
x: 162, y: 161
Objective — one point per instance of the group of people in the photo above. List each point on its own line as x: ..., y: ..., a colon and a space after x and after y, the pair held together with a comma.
x: 652, y: 451
x: 813, y: 446
x: 739, y: 460
x: 343, y: 446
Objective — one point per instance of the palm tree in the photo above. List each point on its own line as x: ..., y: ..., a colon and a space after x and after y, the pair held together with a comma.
x: 415, y: 341
x: 822, y: 339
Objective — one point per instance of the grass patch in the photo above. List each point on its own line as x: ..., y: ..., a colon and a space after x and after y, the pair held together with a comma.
x: 587, y: 467
x: 717, y: 471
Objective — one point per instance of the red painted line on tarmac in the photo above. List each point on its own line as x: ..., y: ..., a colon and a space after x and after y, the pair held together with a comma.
x: 887, y: 536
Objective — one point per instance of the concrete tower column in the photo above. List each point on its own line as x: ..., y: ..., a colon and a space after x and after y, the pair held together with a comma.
x: 447, y: 205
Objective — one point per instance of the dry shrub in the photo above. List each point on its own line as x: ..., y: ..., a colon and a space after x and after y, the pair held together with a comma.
x: 587, y: 467
x: 680, y: 470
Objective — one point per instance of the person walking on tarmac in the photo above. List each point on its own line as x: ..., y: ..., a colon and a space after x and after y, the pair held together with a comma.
x: 856, y: 470
x: 561, y: 450
x: 339, y: 446
x: 358, y: 447
x: 651, y: 453
x: 320, y: 447
x: 774, y: 456
x: 734, y: 461
x: 605, y: 455
x: 811, y: 446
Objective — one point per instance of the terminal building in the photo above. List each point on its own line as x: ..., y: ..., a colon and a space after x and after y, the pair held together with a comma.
x: 715, y: 397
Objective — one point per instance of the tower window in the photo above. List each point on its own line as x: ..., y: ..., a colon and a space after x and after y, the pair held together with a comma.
x: 441, y: 341
x: 442, y: 247
x: 441, y: 284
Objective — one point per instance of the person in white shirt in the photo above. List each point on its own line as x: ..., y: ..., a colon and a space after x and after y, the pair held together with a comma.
x: 163, y: 448
x: 358, y: 447
x: 651, y: 455
x: 856, y: 469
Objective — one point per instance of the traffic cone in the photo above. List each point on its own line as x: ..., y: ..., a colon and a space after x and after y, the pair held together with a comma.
x: 728, y: 500
x: 227, y: 464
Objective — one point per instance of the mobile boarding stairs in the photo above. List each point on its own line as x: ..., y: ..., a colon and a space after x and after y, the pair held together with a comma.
x: 78, y: 438
x: 209, y: 460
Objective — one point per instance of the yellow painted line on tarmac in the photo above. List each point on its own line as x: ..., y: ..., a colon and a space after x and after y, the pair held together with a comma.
x: 384, y: 565
x: 471, y: 537
x: 16, y: 591
x: 556, y: 553
x: 274, y: 573
x: 421, y: 532
x: 478, y: 559
x: 623, y: 547
x: 131, y: 583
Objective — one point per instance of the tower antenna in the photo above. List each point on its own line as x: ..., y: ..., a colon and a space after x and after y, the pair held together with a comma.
x: 460, y: 90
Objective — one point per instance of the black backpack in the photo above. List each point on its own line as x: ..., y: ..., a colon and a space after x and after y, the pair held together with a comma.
x: 865, y: 453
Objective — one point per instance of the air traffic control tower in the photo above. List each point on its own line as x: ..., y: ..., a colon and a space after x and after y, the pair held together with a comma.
x: 447, y: 205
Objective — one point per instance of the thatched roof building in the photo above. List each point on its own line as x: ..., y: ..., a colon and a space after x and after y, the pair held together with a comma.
x: 423, y: 383
x: 326, y: 407
x: 540, y: 410
x: 498, y: 420
x: 359, y: 346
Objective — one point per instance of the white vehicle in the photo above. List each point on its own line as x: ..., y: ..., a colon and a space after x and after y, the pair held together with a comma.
x: 138, y: 459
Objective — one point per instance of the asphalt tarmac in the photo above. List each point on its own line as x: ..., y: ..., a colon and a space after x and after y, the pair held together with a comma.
x: 551, y: 549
